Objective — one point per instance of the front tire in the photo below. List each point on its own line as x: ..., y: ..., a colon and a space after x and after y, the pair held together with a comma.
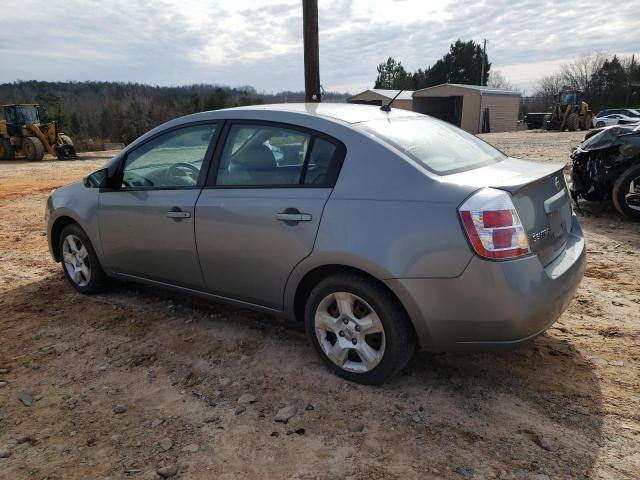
x: 66, y: 139
x: 358, y: 328
x: 626, y: 193
x: 80, y: 262
x: 33, y: 149
x: 573, y: 122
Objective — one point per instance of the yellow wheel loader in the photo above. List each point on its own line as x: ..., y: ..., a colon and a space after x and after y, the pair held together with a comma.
x: 570, y: 112
x: 21, y: 132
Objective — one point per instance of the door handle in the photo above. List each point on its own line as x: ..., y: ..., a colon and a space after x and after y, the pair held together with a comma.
x: 178, y: 214
x: 293, y: 217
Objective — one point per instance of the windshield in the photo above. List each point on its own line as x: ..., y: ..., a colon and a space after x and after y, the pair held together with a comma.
x: 27, y: 114
x: 437, y: 145
x: 568, y: 98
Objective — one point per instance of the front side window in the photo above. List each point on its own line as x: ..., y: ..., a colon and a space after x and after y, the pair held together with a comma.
x: 171, y: 160
x: 27, y: 114
x: 436, y: 145
x: 262, y: 155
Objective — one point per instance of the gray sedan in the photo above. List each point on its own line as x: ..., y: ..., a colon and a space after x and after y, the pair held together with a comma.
x: 382, y: 231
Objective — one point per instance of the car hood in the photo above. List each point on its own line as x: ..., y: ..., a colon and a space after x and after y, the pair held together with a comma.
x: 69, y: 189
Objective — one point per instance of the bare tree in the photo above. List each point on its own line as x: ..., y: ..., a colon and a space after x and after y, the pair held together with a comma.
x: 550, y: 85
x: 497, y: 80
x: 545, y: 93
x: 579, y: 73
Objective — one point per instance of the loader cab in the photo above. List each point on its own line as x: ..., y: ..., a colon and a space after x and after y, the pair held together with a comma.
x: 570, y: 97
x: 19, y: 115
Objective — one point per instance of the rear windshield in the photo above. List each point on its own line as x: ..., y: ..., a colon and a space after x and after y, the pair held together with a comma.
x: 437, y: 145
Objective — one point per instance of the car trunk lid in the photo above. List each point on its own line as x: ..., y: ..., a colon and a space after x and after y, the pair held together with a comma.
x: 539, y: 193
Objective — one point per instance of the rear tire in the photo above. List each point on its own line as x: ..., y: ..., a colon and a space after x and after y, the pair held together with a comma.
x: 80, y: 262
x: 339, y: 333
x: 573, y: 122
x: 33, y: 149
x: 7, y: 151
x: 626, y: 193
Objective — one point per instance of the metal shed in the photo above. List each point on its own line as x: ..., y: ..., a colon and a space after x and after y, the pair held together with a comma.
x: 378, y: 96
x: 475, y: 108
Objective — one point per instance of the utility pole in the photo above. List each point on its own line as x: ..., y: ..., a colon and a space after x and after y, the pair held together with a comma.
x: 630, y: 87
x: 311, y: 50
x: 484, y: 60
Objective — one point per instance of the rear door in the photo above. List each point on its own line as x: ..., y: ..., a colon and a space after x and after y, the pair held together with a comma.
x: 147, y: 224
x: 259, y: 214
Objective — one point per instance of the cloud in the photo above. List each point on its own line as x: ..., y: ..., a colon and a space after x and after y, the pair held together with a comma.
x: 258, y: 43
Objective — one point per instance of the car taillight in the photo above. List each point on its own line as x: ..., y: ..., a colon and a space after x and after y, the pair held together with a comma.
x: 493, y: 226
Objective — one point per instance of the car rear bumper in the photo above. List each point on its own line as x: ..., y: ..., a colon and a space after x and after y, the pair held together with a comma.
x: 493, y: 304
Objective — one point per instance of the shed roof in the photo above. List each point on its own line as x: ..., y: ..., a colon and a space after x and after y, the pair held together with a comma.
x: 386, y: 93
x: 484, y: 90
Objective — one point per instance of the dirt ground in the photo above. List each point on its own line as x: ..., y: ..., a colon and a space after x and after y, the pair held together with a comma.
x: 566, y: 406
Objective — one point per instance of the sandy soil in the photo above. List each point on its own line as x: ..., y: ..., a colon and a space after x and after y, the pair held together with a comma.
x: 566, y: 406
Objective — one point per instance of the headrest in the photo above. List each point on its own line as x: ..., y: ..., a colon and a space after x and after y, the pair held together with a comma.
x: 256, y: 157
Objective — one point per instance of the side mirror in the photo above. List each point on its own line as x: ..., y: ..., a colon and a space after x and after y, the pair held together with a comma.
x: 98, y: 179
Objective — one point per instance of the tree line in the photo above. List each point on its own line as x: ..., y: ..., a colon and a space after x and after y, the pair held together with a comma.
x: 607, y: 81
x: 94, y: 113
x: 461, y: 64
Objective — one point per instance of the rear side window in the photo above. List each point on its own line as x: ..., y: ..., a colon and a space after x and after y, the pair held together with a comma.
x: 277, y: 156
x: 262, y: 155
x: 320, y: 167
x: 436, y: 145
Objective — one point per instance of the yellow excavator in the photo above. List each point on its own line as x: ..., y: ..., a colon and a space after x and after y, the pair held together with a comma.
x: 570, y: 112
x: 21, y: 132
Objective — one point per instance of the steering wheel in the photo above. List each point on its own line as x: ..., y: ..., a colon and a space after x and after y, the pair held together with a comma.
x: 182, y: 169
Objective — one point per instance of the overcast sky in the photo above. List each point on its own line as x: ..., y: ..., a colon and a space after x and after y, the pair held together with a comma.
x: 259, y: 43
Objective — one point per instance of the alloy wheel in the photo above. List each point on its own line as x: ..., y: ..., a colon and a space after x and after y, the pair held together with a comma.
x: 349, y: 332
x: 632, y: 197
x: 76, y: 260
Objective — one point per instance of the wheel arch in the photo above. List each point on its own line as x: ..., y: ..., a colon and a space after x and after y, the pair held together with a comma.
x: 295, y: 307
x: 56, y: 229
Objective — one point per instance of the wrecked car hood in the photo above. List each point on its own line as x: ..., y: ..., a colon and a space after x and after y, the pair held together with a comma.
x: 614, y: 136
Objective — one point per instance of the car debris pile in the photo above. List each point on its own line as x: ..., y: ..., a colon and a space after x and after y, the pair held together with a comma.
x: 607, y: 166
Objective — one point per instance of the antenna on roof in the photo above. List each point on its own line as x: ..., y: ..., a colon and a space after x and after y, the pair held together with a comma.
x: 387, y: 107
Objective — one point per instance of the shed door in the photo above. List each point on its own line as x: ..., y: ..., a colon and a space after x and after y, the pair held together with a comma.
x: 448, y: 109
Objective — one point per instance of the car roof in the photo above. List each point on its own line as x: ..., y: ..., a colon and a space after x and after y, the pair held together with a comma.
x: 346, y: 112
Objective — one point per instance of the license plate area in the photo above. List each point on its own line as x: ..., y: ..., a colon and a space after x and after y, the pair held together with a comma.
x: 557, y: 224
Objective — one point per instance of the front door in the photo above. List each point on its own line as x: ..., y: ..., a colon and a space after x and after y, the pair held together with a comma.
x: 260, y: 213
x: 147, y: 225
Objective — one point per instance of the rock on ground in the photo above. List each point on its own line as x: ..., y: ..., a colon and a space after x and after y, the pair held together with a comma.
x: 246, y: 399
x: 285, y: 414
x: 167, y: 472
